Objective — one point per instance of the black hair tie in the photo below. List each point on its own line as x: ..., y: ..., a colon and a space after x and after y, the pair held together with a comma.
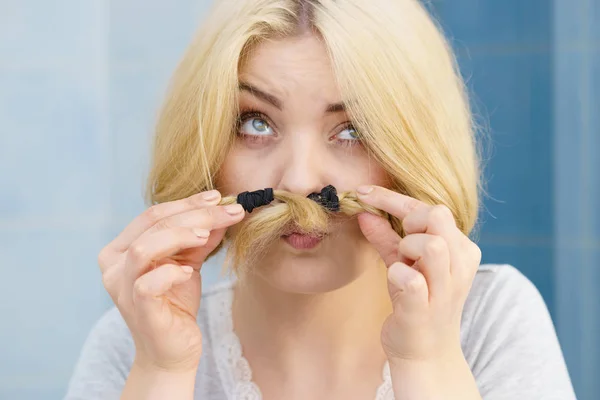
x: 258, y: 198
x: 328, y: 198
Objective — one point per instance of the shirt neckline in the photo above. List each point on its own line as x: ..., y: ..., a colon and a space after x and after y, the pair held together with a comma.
x: 233, y: 368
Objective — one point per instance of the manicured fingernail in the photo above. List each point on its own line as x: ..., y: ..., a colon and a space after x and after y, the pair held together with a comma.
x: 234, y: 209
x: 187, y: 269
x: 201, y: 233
x: 210, y: 195
x: 364, y: 189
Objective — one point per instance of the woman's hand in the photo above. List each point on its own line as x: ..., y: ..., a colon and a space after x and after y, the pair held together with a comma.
x: 430, y: 272
x: 151, y: 271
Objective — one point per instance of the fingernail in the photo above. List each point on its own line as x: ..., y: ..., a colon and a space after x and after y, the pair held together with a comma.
x: 201, y: 233
x: 187, y: 269
x: 364, y: 189
x: 210, y: 195
x: 234, y: 209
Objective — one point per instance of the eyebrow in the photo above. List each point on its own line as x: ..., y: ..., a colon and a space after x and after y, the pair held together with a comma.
x: 274, y: 101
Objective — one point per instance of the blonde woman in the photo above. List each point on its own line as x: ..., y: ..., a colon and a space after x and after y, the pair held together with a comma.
x: 355, y: 275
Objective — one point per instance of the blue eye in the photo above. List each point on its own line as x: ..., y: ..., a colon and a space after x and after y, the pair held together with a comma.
x: 255, y: 126
x: 348, y: 134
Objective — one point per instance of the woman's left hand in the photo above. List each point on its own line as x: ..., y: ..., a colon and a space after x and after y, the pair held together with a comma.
x: 430, y: 272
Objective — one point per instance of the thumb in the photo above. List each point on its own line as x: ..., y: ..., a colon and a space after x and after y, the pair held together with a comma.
x: 215, y: 239
x: 380, y: 234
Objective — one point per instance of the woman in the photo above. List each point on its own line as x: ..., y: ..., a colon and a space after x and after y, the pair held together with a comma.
x: 382, y: 299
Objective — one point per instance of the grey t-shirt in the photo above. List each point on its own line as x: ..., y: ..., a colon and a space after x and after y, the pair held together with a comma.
x: 507, y: 337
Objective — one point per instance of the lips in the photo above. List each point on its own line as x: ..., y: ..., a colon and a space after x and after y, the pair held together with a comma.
x: 302, y: 240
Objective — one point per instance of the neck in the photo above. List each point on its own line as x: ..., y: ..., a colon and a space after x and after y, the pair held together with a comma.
x: 334, y: 331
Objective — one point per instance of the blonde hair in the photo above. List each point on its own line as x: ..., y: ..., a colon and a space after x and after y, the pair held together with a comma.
x: 397, y: 75
x: 259, y: 230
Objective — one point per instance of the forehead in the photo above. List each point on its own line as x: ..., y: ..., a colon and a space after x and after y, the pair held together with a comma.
x: 291, y: 65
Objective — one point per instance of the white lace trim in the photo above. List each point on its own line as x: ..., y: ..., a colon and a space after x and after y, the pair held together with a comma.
x: 385, y: 390
x: 233, y: 368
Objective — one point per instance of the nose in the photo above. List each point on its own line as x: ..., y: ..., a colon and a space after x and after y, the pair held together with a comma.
x: 304, y: 167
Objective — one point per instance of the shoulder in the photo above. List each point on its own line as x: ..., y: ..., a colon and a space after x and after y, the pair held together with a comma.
x: 111, y: 331
x: 112, y: 319
x: 111, y: 337
x: 497, y: 286
x: 501, y: 276
x: 499, y: 294
x: 501, y: 281
x: 509, y: 339
x: 104, y: 361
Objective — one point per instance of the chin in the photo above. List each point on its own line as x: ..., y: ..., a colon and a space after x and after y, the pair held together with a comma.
x: 320, y: 269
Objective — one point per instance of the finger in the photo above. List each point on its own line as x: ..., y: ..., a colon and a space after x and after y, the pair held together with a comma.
x: 215, y: 238
x: 439, y: 221
x: 216, y: 217
x: 114, y: 276
x: 464, y: 265
x: 408, y: 289
x: 149, y: 288
x: 436, y: 220
x: 117, y: 274
x: 432, y: 259
x: 389, y: 201
x: 107, y: 257
x: 158, y: 281
x: 379, y: 233
x: 201, y: 253
x: 159, y: 211
x: 157, y: 246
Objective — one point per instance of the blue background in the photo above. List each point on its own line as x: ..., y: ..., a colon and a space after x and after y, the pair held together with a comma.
x: 80, y: 84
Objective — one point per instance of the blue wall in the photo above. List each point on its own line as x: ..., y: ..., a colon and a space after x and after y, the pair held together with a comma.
x: 534, y: 67
x: 80, y: 83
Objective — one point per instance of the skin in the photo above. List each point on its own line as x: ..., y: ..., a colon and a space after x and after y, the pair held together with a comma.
x: 307, y: 148
x: 315, y: 324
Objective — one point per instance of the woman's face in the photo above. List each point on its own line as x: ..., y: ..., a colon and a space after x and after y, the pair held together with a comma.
x: 294, y: 135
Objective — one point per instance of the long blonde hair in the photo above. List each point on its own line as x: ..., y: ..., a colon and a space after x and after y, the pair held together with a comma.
x: 395, y: 70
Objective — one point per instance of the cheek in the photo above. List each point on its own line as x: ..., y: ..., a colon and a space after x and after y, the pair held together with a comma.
x: 243, y: 169
x: 361, y: 168
x: 377, y: 174
x: 358, y: 251
x: 232, y: 171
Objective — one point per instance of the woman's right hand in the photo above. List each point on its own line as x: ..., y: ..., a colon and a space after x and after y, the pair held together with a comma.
x: 152, y: 272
